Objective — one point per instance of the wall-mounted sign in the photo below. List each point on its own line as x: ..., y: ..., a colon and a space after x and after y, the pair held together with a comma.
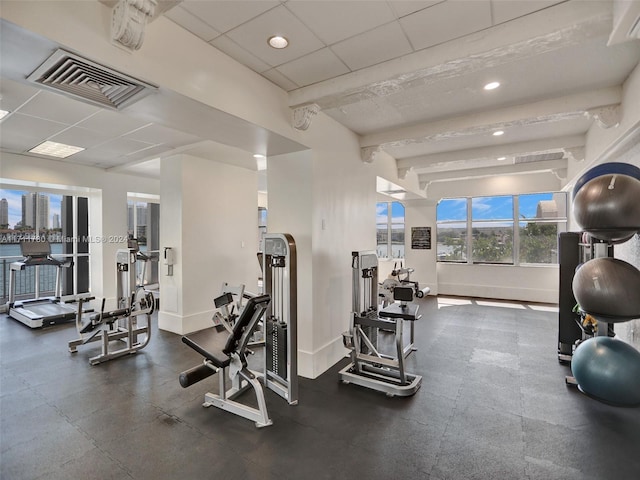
x: 421, y: 238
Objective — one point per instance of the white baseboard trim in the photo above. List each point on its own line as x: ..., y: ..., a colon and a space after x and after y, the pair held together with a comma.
x: 184, y: 324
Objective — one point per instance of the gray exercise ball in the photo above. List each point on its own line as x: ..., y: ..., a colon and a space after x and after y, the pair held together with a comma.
x: 608, y: 207
x: 608, y: 369
x: 608, y: 289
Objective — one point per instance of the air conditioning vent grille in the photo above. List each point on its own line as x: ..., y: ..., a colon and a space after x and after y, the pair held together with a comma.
x: 538, y: 157
x: 89, y: 81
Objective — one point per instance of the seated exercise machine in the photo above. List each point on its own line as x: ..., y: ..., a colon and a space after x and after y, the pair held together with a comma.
x: 122, y: 323
x: 39, y: 311
x: 400, y: 277
x: 370, y: 367
x: 225, y: 347
x: 227, y: 354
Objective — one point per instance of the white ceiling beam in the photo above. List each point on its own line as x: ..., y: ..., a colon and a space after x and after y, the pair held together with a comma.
x: 519, y: 168
x: 495, y: 151
x: 569, y: 107
x: 565, y: 24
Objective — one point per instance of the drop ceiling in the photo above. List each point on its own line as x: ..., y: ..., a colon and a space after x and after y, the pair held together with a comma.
x: 406, y: 76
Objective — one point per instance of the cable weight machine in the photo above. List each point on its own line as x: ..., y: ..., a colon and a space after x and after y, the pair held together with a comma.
x: 279, y: 266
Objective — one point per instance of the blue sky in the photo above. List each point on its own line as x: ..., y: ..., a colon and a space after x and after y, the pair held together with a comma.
x: 397, y: 212
x: 14, y: 198
x: 490, y: 208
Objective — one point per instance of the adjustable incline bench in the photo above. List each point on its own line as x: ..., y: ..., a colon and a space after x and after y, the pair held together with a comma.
x: 226, y: 351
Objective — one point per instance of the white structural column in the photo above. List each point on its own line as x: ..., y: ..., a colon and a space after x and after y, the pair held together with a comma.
x: 209, y: 218
x: 290, y: 184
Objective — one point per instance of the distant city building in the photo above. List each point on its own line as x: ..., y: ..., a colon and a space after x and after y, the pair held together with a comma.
x: 4, y: 213
x: 56, y: 221
x: 35, y: 207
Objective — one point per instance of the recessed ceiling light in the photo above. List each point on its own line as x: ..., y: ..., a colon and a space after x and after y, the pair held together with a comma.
x: 492, y: 85
x: 502, y: 158
x: 278, y: 41
x: 258, y: 155
x: 53, y: 149
x: 3, y: 113
x: 497, y: 133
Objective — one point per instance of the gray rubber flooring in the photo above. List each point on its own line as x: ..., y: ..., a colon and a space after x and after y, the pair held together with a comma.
x: 493, y: 405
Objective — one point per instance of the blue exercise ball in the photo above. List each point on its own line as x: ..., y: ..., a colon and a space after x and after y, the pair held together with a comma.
x: 608, y: 288
x: 608, y: 207
x: 609, y: 370
x: 606, y: 168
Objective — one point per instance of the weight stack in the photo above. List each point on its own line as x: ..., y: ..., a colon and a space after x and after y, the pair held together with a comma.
x: 276, y: 348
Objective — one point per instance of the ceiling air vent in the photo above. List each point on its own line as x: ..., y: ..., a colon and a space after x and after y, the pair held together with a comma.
x: 88, y: 81
x: 538, y: 157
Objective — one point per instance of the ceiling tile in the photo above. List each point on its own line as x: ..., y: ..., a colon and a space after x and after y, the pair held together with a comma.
x: 225, y: 15
x: 23, y: 132
x: 119, y: 146
x: 375, y: 46
x: 446, y: 21
x: 279, y: 79
x: 313, y: 68
x: 333, y: 21
x: 157, y: 134
x: 235, y: 51
x: 406, y: 7
x: 505, y: 10
x: 14, y: 94
x: 80, y: 137
x: 192, y: 23
x: 111, y: 123
x: 58, y: 108
x: 253, y: 36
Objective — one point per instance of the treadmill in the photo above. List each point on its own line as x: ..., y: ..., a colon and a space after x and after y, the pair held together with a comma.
x: 39, y: 312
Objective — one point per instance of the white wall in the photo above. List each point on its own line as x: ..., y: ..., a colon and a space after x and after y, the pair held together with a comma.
x: 209, y: 216
x: 107, y: 206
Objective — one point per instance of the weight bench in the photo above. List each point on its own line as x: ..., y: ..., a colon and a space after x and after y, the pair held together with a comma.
x: 225, y: 352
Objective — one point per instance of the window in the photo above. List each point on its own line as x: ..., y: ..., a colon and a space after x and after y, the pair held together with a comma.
x: 143, y: 224
x: 492, y: 229
x: 390, y: 230
x: 505, y: 229
x: 60, y: 219
x: 541, y: 218
x: 451, y: 229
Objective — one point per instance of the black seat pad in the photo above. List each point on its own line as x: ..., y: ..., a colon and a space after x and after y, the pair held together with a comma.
x: 209, y: 343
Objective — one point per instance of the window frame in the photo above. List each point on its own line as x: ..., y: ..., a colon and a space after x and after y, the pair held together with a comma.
x: 390, y: 226
x: 561, y: 222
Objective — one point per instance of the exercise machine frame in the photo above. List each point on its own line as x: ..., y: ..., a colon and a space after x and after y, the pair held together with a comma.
x: 120, y: 324
x: 369, y: 367
x: 229, y: 359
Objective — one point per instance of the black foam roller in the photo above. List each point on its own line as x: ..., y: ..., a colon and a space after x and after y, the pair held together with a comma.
x: 194, y: 375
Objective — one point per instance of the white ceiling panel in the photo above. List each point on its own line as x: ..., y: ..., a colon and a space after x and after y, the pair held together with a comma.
x: 55, y: 107
x: 406, y: 7
x: 157, y: 134
x: 313, y: 68
x: 279, y: 79
x: 372, y: 47
x: 23, y: 132
x: 225, y: 15
x: 111, y: 123
x: 14, y: 94
x: 191, y: 22
x: 80, y: 137
x: 333, y: 21
x: 235, y: 51
x: 121, y: 146
x: 505, y: 10
x: 253, y: 36
x: 446, y: 21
